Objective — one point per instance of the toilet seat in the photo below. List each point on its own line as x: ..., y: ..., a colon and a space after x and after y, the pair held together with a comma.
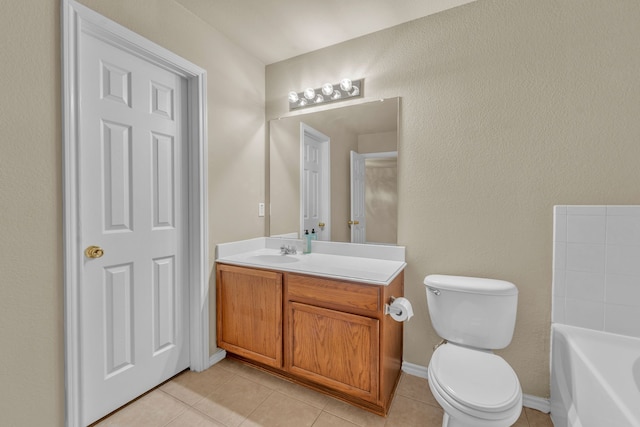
x: 477, y: 383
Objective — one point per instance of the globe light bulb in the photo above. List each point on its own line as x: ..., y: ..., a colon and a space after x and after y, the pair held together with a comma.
x: 319, y: 99
x: 309, y: 93
x: 345, y: 85
x: 327, y: 89
x: 293, y: 97
x: 336, y: 95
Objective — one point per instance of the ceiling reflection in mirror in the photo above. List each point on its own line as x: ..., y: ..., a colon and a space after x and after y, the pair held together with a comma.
x: 311, y: 182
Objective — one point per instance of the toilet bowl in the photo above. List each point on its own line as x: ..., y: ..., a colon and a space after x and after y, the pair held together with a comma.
x: 474, y: 386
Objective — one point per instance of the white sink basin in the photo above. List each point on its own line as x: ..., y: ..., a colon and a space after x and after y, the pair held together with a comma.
x: 273, y: 259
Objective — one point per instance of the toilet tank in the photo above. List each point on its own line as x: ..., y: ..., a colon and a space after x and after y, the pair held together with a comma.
x: 471, y: 311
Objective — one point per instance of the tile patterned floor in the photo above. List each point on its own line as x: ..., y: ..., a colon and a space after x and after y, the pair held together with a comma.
x: 231, y: 394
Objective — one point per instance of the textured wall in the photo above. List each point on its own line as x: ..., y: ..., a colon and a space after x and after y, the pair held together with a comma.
x: 508, y: 108
x: 31, y: 282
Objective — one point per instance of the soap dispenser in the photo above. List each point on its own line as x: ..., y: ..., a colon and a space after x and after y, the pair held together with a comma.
x: 307, y: 242
x: 314, y: 236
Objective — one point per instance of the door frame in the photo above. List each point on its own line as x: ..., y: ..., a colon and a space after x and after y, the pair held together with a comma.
x: 307, y: 131
x: 76, y: 18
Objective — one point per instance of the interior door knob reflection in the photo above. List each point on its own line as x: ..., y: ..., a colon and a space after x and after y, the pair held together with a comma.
x: 94, y: 252
x: 354, y: 222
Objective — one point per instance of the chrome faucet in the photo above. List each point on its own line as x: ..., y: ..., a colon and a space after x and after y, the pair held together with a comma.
x: 288, y: 250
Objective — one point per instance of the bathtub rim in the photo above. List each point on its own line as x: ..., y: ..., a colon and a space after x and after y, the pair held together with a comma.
x: 572, y: 335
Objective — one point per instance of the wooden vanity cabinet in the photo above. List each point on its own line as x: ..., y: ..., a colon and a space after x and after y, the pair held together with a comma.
x: 330, y: 335
x: 249, y: 313
x: 337, y: 336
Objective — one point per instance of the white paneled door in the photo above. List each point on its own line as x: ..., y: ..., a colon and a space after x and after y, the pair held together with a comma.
x: 134, y: 296
x: 314, y: 182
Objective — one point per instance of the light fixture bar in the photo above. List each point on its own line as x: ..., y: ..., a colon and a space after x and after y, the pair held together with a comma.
x: 328, y: 93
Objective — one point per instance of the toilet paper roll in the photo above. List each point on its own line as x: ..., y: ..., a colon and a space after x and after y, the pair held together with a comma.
x: 401, y: 309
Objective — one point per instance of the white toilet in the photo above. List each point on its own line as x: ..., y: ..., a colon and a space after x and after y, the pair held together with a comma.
x: 475, y: 387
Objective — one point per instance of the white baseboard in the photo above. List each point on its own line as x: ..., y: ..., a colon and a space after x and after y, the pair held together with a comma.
x: 415, y: 370
x: 534, y: 402
x: 217, y: 357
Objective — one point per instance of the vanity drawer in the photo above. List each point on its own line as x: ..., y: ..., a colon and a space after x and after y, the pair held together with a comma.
x: 333, y: 293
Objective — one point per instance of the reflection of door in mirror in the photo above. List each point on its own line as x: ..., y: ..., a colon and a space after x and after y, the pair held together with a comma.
x: 314, y: 182
x: 374, y: 197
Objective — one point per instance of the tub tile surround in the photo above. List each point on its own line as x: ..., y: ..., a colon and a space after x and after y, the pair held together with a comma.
x: 596, y: 268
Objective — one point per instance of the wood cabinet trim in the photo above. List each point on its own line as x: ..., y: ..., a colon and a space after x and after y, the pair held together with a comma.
x: 351, y: 297
x: 256, y: 335
x: 359, y: 337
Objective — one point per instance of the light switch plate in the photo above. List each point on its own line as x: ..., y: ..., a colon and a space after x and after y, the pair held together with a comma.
x: 260, y: 209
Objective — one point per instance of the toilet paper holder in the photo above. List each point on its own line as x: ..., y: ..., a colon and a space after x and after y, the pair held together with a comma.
x: 388, y: 309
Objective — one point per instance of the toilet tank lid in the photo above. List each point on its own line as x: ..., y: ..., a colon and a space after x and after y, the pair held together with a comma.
x: 474, y: 285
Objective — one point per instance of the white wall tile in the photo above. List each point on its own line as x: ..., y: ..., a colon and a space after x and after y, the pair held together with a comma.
x: 622, y: 289
x: 585, y: 314
x: 559, y: 255
x: 623, y: 230
x: 585, y: 285
x: 559, y: 283
x: 633, y: 210
x: 586, y: 229
x: 623, y: 260
x: 585, y: 257
x: 560, y: 228
x: 622, y: 319
x: 558, y: 312
x: 586, y: 210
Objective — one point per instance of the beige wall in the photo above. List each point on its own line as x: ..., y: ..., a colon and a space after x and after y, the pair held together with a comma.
x: 31, y: 282
x: 508, y: 107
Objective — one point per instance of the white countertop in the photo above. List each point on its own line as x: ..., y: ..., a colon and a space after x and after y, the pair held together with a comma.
x: 327, y: 260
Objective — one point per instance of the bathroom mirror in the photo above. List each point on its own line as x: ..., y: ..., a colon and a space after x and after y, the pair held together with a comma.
x: 311, y: 157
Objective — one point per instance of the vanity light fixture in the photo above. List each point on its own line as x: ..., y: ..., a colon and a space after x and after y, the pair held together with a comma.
x: 311, y: 97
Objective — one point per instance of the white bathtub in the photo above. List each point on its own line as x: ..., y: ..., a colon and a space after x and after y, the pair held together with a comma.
x: 595, y: 378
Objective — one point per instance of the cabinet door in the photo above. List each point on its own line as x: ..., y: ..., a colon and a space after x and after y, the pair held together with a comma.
x: 249, y: 318
x: 334, y: 349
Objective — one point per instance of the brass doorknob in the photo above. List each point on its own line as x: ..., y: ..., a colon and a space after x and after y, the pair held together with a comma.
x: 354, y: 222
x: 321, y: 224
x: 94, y: 252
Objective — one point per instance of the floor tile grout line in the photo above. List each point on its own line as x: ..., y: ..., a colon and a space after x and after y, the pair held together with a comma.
x: 418, y: 400
x: 209, y: 417
x: 317, y: 416
x: 338, y: 416
x: 249, y: 378
x: 185, y: 407
x: 259, y: 404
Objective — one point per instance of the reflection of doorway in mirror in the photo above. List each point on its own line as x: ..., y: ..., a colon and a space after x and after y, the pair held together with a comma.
x: 381, y: 199
x: 314, y: 182
x: 374, y: 216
